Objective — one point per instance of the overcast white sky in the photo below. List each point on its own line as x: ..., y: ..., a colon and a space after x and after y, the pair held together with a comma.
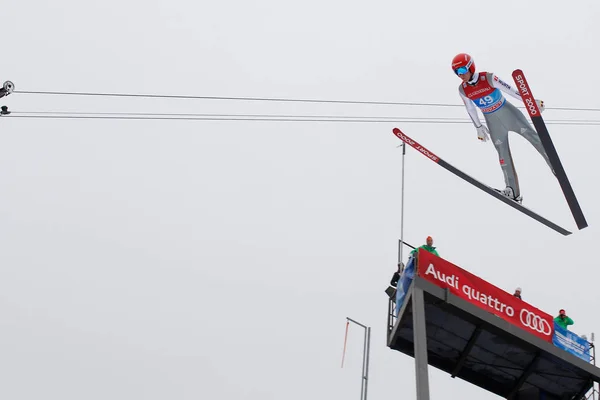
x: 219, y: 260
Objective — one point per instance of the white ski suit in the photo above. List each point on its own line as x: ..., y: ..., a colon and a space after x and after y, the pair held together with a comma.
x: 484, y: 90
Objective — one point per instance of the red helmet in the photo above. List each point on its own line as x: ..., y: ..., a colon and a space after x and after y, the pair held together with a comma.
x: 462, y: 63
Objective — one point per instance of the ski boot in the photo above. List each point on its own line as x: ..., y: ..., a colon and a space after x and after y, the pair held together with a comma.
x: 510, y: 193
x: 4, y: 110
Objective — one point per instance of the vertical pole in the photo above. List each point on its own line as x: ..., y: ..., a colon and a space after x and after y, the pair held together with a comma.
x: 400, y: 250
x: 593, y: 349
x: 367, y: 366
x: 402, y: 208
x: 366, y: 352
x: 420, y: 340
x: 362, y: 379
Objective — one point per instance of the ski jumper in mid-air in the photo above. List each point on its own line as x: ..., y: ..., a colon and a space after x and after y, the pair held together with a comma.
x: 484, y: 90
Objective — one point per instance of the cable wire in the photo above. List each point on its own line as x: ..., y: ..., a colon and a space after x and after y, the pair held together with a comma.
x: 268, y: 99
x: 224, y: 115
x: 272, y: 118
x: 224, y: 118
x: 337, y: 117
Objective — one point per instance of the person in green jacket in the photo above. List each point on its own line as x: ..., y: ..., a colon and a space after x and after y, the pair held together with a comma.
x: 429, y: 247
x: 563, y: 320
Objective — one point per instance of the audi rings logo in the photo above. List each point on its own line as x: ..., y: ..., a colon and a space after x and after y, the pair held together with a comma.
x: 535, y: 322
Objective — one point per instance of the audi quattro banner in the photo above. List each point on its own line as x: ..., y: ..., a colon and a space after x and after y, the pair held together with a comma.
x: 484, y: 295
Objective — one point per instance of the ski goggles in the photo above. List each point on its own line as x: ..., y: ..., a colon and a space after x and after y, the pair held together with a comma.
x: 461, y: 70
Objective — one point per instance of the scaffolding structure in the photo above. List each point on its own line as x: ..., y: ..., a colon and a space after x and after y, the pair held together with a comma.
x: 441, y: 329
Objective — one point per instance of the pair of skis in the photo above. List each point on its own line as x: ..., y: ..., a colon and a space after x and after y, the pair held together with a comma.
x: 540, y: 126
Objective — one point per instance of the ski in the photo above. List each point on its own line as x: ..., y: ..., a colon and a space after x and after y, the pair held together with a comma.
x: 400, y: 135
x: 542, y: 130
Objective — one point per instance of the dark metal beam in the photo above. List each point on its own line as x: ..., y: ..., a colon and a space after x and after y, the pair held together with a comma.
x: 411, y: 246
x: 584, y: 390
x: 528, y: 371
x: 466, y: 351
x: 420, y: 343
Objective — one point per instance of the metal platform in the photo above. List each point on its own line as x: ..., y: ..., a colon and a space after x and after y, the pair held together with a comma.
x: 455, y: 336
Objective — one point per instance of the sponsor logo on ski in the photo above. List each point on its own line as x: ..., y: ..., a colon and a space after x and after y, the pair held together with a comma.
x: 522, y: 85
x: 405, y: 138
x: 529, y: 103
x: 531, y: 106
x: 533, y: 321
x: 417, y: 146
x: 427, y: 153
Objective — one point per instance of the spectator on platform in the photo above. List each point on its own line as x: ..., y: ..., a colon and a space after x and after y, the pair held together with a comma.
x: 563, y: 320
x: 429, y: 247
x: 391, y: 290
x: 517, y: 293
x: 396, y: 276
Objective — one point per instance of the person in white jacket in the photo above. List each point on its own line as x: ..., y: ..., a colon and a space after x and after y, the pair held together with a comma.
x: 484, y: 90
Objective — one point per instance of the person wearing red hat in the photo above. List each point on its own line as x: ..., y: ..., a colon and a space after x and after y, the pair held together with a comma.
x: 485, y: 90
x: 563, y: 320
x: 429, y: 247
x: 402, y: 278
